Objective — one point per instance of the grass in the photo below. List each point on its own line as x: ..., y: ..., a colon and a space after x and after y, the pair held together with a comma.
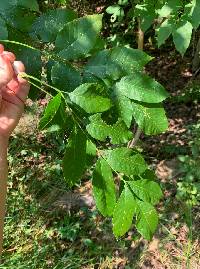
x: 39, y: 234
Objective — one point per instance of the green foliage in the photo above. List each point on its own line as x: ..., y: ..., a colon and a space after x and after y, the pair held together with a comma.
x: 79, y: 37
x: 188, y: 190
x: 50, y: 23
x: 176, y: 18
x: 97, y: 96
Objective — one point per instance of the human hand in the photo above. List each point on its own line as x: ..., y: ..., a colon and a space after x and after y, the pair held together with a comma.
x: 13, y: 92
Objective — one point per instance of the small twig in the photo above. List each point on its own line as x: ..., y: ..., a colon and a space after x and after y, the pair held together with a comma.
x: 140, y: 36
x: 134, y: 141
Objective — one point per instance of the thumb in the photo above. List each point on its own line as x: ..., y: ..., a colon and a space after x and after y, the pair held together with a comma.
x: 6, y: 70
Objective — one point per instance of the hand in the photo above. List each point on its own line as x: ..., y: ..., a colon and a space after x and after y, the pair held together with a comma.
x: 13, y: 92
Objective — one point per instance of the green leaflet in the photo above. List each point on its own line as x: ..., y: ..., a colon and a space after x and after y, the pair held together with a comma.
x: 7, y: 5
x: 91, y: 97
x: 65, y: 77
x: 74, y: 162
x: 117, y: 62
x: 123, y: 106
x: 104, y: 188
x: 150, y: 118
x: 50, y: 111
x: 146, y: 219
x: 146, y: 190
x: 146, y: 13
x: 4, y: 31
x: 116, y: 11
x: 195, y: 13
x: 90, y: 153
x: 129, y: 206
x: 125, y: 160
x: 47, y: 26
x: 32, y: 5
x: 164, y: 31
x: 78, y: 37
x: 141, y: 87
x: 102, y: 67
x: 123, y: 213
x: 171, y: 6
x: 18, y: 18
x: 99, y: 130
x: 182, y: 36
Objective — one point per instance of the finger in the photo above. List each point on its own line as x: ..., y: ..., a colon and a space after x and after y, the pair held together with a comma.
x: 19, y: 70
x: 6, y: 70
x: 20, y: 88
x: 1, y: 48
x: 9, y: 55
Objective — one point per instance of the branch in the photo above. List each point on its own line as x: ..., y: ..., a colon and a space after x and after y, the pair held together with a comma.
x: 136, y: 138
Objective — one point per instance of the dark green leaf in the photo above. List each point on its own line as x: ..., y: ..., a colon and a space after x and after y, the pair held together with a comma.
x: 10, y: 4
x: 3, y: 30
x: 164, y: 31
x: 74, y: 162
x: 90, y: 152
x: 50, y: 111
x: 47, y: 26
x: 65, y: 77
x: 104, y: 188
